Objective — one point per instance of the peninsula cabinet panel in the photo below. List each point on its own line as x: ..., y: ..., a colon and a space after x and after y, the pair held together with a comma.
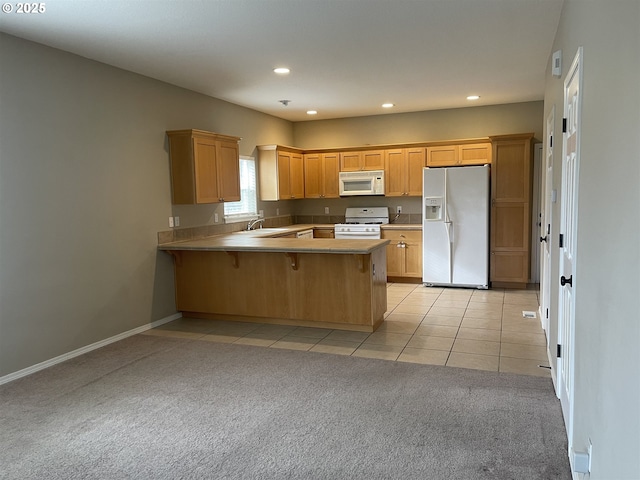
x: 204, y: 167
x: 321, y: 175
x: 214, y: 284
x: 511, y: 179
x: 403, y: 171
x: 280, y: 173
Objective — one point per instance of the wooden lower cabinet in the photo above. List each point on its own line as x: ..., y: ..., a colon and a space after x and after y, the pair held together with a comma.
x: 323, y: 233
x: 404, y: 254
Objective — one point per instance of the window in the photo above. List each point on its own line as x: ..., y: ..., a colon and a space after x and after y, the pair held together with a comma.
x: 247, y: 206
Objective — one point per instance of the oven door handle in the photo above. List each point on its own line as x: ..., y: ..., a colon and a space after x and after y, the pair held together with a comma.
x: 363, y: 235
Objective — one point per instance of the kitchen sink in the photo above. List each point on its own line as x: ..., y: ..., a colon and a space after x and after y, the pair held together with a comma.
x: 262, y: 231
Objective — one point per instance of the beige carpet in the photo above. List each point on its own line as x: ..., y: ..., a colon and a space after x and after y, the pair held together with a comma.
x: 166, y: 408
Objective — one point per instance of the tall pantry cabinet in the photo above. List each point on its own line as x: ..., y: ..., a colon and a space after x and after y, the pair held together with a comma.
x: 510, y: 234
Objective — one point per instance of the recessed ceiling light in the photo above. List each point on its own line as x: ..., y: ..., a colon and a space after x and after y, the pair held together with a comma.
x: 388, y: 105
x: 473, y: 97
x: 312, y: 112
x: 281, y: 70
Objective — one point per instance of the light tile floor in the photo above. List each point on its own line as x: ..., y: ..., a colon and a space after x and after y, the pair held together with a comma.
x: 465, y: 328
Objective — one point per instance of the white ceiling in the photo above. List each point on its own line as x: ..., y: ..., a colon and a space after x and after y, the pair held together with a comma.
x: 347, y: 57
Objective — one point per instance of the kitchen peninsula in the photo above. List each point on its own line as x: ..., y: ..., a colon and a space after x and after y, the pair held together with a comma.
x: 319, y: 282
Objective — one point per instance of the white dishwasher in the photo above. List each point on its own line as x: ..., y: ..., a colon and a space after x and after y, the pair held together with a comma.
x: 305, y: 234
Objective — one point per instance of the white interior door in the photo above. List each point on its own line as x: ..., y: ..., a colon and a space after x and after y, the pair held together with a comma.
x: 546, y: 201
x: 568, y: 229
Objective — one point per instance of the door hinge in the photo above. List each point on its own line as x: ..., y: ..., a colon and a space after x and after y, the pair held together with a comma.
x: 561, y: 241
x: 559, y: 351
x: 564, y: 125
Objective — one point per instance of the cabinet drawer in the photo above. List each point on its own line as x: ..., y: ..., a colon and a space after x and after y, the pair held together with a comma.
x: 409, y: 236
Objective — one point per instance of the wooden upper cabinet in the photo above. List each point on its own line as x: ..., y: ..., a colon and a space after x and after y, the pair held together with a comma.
x: 442, y: 156
x: 403, y: 171
x: 459, y: 154
x: 281, y: 173
x: 321, y: 175
x: 362, y: 160
x: 204, y: 167
x: 474, y: 154
x: 296, y: 175
x: 511, y: 184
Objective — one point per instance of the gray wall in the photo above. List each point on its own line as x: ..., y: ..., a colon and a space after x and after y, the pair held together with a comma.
x: 433, y: 125
x: 607, y: 285
x: 84, y: 189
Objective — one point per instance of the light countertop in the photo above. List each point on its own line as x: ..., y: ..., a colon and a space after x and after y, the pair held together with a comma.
x: 239, y: 242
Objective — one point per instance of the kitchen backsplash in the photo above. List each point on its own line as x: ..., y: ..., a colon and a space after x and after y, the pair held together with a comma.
x: 193, y: 233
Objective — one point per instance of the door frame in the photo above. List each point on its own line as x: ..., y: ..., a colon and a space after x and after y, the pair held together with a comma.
x: 546, y: 220
x: 566, y: 326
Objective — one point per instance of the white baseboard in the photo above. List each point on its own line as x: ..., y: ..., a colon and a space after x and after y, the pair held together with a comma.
x: 67, y: 356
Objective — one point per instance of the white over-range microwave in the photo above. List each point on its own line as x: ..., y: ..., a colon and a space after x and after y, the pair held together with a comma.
x: 363, y: 182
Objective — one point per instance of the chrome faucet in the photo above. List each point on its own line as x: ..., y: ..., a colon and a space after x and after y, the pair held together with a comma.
x: 254, y: 222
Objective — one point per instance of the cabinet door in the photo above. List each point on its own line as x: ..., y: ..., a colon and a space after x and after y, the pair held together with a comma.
x: 284, y: 175
x: 395, y: 172
x: 442, y: 156
x: 413, y: 254
x: 475, y: 154
x: 205, y: 171
x: 312, y: 175
x: 350, y: 161
x: 373, y: 160
x: 415, y: 164
x: 510, y: 211
x: 330, y: 169
x: 395, y: 259
x: 229, y: 172
x: 297, y: 176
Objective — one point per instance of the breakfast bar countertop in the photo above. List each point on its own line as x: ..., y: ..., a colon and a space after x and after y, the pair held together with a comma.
x: 242, y: 241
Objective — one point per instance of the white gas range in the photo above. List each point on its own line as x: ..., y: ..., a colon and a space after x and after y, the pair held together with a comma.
x: 362, y: 223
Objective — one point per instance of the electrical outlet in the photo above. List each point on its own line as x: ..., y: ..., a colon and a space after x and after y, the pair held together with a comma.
x: 326, y: 210
x: 176, y: 221
x: 398, y: 209
x: 261, y: 213
x: 277, y: 211
x: 216, y: 218
x: 170, y: 222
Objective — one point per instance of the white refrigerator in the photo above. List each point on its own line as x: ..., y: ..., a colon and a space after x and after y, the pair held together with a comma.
x: 455, y: 226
